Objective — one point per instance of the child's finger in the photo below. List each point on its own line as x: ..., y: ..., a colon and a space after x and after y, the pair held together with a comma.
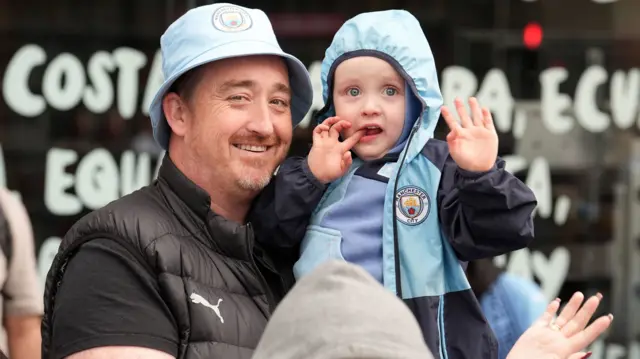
x: 335, y: 130
x: 487, y: 119
x: 347, y: 160
x: 465, y: 121
x: 476, y: 112
x: 321, y: 128
x: 452, y: 136
x: 348, y: 143
x: 448, y: 118
x: 317, y: 132
x: 320, y: 132
x: 331, y: 121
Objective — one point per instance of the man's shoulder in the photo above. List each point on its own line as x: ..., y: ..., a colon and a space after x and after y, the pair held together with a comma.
x: 140, y: 214
x: 148, y: 201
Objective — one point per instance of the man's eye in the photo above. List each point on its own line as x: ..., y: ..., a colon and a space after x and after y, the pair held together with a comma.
x: 236, y: 98
x: 279, y: 102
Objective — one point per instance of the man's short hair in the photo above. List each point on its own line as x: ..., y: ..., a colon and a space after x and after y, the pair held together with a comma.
x: 185, y: 85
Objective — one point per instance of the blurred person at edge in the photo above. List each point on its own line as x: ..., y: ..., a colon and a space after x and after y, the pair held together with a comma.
x: 510, y: 303
x: 22, y: 306
x: 176, y: 269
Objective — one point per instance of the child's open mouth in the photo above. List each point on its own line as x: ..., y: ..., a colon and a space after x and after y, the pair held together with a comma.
x: 370, y: 133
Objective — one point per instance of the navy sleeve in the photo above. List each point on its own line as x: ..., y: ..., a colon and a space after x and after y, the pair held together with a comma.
x: 484, y: 214
x: 281, y: 213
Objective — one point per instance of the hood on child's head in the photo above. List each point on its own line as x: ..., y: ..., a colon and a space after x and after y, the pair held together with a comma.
x: 396, y: 37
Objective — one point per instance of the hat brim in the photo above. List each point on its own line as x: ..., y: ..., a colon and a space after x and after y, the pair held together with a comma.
x: 301, y: 89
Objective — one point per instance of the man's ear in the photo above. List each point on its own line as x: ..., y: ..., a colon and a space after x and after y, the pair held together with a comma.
x: 175, y: 111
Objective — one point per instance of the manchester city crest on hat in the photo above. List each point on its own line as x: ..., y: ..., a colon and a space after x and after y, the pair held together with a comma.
x: 231, y: 19
x: 412, y: 205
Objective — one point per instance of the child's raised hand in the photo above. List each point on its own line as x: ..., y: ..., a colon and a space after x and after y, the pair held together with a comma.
x: 473, y: 144
x: 329, y: 159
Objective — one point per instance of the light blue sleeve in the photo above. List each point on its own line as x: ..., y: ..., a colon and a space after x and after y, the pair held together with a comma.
x: 527, y: 299
x: 511, y: 305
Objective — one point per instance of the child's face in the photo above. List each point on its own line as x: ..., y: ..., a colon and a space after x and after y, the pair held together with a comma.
x: 369, y: 93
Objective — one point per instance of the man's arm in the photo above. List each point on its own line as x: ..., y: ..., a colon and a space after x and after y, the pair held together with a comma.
x: 485, y: 214
x: 281, y: 213
x: 23, y: 306
x: 108, y: 305
x: 121, y: 353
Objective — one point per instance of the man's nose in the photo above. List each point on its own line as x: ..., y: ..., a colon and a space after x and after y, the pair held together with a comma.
x: 260, y: 122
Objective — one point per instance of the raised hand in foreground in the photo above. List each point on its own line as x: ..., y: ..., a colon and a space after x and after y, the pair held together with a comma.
x: 565, y: 337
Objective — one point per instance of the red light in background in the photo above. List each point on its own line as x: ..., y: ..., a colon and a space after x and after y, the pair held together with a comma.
x: 532, y: 35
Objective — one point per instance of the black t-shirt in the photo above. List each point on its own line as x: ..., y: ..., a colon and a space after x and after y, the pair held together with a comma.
x: 107, y: 298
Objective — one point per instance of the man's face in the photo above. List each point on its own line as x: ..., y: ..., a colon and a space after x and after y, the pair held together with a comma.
x: 238, y: 122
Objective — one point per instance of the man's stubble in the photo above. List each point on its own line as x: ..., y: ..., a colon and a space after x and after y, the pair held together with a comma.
x: 258, y: 183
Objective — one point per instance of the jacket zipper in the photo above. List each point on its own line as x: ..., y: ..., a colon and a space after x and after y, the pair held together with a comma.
x: 440, y: 322
x: 270, y: 298
x: 396, y: 245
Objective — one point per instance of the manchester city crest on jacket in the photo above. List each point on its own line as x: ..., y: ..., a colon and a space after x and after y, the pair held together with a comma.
x: 412, y: 205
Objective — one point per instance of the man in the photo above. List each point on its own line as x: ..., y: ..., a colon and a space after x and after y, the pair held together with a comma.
x: 21, y: 295
x: 175, y: 270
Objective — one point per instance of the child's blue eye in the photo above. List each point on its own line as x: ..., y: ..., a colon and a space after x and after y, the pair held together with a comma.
x: 390, y: 91
x: 354, y: 92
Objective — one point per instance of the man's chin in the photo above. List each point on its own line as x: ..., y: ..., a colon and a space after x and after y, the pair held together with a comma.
x: 254, y: 175
x: 253, y: 179
x: 253, y: 184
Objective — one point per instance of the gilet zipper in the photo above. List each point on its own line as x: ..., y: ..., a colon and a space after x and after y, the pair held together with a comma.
x: 263, y: 282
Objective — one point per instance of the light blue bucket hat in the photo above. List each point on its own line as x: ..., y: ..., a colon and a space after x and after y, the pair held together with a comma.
x: 221, y: 31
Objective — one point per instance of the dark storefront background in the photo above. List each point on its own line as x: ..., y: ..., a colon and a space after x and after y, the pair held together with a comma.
x: 78, y: 76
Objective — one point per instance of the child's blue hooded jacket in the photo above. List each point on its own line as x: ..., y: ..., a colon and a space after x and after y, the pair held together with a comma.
x: 432, y: 216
